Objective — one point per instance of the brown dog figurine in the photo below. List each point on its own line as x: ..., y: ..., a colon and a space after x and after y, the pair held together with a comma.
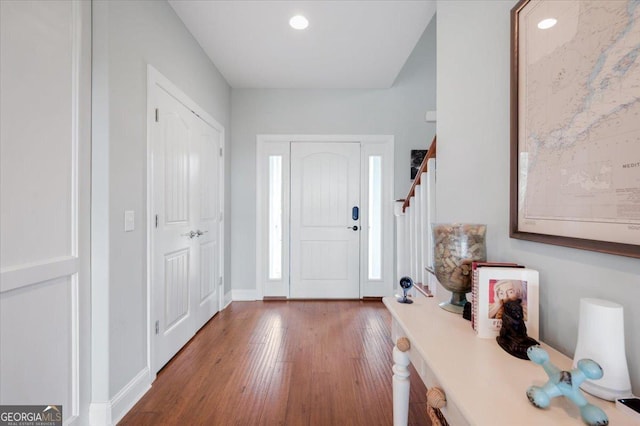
x: 513, y: 334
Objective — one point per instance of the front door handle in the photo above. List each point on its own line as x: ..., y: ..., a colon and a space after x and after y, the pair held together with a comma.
x: 354, y: 227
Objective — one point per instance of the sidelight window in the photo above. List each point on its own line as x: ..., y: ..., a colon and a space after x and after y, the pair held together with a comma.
x: 375, y: 218
x: 275, y: 217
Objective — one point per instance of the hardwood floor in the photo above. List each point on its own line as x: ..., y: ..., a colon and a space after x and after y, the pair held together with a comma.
x: 282, y: 363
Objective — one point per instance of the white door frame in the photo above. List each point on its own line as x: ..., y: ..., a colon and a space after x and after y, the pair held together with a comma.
x: 280, y: 145
x: 155, y: 78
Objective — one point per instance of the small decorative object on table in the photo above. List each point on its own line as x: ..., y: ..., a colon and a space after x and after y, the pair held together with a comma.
x: 466, y: 311
x: 405, y: 283
x: 566, y: 383
x: 492, y: 286
x: 455, y: 247
x: 513, y: 333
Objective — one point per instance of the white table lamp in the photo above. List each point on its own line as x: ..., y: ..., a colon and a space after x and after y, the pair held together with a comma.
x: 601, y: 338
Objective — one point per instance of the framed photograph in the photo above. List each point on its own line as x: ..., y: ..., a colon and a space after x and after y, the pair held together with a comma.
x: 506, y: 289
x: 575, y: 124
x: 417, y: 155
x: 495, y: 286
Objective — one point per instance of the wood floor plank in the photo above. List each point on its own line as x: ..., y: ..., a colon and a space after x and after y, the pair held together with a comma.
x: 294, y: 363
x: 277, y: 397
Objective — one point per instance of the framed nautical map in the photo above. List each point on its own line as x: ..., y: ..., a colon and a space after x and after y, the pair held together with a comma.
x: 575, y: 124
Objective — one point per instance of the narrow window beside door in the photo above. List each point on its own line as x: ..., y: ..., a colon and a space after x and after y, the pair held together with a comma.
x: 375, y: 218
x: 275, y: 217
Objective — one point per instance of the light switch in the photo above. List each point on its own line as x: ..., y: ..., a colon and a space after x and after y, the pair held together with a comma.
x: 129, y: 220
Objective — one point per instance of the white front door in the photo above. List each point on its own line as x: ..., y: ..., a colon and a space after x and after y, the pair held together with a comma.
x: 325, y: 229
x: 185, y: 244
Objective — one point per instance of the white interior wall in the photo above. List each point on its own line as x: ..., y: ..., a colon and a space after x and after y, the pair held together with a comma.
x: 140, y: 33
x: 473, y: 53
x: 397, y: 111
x: 45, y: 152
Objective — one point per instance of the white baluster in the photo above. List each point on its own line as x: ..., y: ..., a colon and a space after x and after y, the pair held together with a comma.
x: 425, y: 253
x: 418, y: 233
x: 401, y: 245
x: 411, y: 237
x: 430, y: 184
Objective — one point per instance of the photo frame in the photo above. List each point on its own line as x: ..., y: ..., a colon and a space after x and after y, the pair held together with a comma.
x: 575, y: 132
x: 493, y: 286
x: 417, y: 155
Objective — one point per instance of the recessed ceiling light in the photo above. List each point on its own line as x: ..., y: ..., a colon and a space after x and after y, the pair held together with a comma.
x: 547, y: 23
x: 299, y: 22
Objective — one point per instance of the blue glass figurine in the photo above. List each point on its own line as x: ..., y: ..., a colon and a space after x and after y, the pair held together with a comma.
x: 566, y: 383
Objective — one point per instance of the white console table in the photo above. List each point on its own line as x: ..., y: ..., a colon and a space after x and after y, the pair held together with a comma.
x: 482, y: 384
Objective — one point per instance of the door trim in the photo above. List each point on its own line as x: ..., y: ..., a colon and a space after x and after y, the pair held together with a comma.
x: 382, y: 145
x: 155, y: 78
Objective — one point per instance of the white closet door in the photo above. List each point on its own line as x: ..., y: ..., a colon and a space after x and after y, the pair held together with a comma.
x: 174, y: 255
x: 325, y: 238
x: 185, y: 248
x: 205, y: 175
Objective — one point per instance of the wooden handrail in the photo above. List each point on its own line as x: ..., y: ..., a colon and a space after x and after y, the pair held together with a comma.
x: 431, y: 153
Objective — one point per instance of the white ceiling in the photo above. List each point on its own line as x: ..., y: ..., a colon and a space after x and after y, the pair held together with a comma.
x: 348, y: 44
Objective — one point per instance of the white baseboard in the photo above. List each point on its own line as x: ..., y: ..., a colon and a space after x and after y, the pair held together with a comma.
x: 100, y: 414
x: 227, y: 299
x: 244, y: 295
x: 130, y: 394
x: 110, y: 413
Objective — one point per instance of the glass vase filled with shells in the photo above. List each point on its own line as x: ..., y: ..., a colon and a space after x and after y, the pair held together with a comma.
x: 455, y: 247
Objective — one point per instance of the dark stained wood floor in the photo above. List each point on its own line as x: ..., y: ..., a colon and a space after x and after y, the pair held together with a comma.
x: 292, y: 363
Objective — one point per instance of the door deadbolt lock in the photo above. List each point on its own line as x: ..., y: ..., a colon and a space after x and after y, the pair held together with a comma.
x: 355, y: 213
